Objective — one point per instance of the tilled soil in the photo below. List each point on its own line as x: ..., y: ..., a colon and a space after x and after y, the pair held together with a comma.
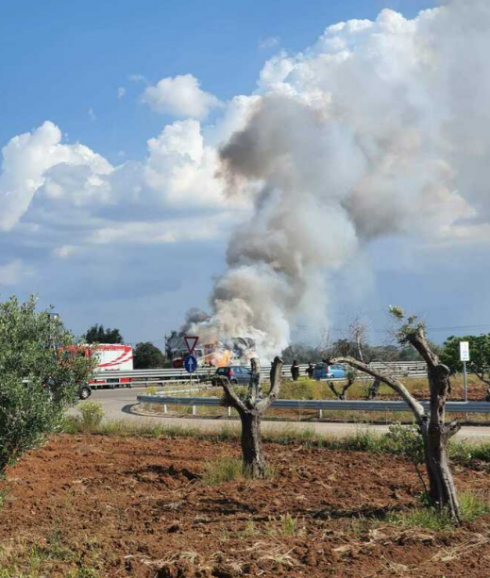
x: 94, y: 506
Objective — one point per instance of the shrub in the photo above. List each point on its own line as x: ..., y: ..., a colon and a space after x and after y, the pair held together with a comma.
x: 35, y: 386
x: 405, y: 441
x: 91, y: 415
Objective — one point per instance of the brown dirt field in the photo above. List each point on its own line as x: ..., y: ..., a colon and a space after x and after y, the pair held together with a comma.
x: 138, y: 507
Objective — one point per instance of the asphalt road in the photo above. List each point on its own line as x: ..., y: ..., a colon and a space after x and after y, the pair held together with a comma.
x: 120, y: 404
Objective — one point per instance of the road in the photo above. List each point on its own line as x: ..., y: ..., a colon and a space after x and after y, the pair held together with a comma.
x: 120, y: 404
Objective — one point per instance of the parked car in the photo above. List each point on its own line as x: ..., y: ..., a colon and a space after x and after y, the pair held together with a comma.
x: 324, y: 371
x: 236, y: 374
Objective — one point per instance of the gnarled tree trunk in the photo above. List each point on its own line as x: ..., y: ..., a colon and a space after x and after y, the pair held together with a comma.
x: 253, y: 457
x: 250, y: 412
x: 435, y: 432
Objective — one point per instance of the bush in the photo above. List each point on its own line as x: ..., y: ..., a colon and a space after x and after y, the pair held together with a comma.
x: 405, y: 441
x: 91, y: 415
x: 35, y: 387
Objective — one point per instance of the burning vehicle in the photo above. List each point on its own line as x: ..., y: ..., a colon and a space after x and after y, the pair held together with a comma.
x: 237, y: 350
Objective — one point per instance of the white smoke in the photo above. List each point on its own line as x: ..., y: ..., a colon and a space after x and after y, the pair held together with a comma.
x: 380, y: 128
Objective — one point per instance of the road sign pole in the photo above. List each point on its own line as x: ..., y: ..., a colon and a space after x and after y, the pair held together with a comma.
x: 465, y: 382
x: 464, y: 356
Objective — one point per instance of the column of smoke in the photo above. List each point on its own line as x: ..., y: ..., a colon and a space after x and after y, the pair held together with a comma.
x: 374, y: 131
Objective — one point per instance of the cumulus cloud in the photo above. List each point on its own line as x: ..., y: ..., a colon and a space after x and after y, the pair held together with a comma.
x: 180, y: 97
x: 376, y: 130
x: 370, y: 133
x: 26, y: 165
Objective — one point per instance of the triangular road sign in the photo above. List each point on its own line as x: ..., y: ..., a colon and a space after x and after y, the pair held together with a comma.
x: 191, y: 342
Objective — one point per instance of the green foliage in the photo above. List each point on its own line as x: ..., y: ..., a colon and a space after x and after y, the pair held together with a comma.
x: 479, y: 363
x: 285, y: 525
x: 472, y: 507
x: 91, y: 415
x: 223, y: 470
x: 405, y: 441
x: 97, y: 334
x: 148, y: 356
x: 422, y: 517
x: 35, y: 385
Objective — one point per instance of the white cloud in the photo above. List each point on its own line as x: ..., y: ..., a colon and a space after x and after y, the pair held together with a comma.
x: 183, y: 168
x: 270, y: 42
x: 180, y: 97
x: 13, y: 272
x: 91, y: 115
x: 27, y: 160
x: 121, y: 92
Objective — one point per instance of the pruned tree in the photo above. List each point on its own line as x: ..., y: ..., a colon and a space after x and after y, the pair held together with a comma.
x: 479, y: 363
x: 251, y: 409
x: 435, y: 432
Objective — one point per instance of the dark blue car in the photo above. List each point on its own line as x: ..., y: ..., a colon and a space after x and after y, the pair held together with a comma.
x: 324, y: 371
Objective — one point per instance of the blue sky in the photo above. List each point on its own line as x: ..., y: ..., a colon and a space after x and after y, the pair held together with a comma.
x: 61, y: 59
x: 84, y: 66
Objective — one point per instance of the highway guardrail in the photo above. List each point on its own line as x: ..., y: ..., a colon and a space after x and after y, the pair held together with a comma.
x: 146, y: 377
x: 320, y: 405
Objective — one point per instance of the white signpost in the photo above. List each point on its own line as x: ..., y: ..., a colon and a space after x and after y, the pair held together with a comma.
x: 464, y: 356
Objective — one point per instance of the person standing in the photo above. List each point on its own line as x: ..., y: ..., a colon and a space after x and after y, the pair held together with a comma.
x: 310, y: 370
x: 295, y: 370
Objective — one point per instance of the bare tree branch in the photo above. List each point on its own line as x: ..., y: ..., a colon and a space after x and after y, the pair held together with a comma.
x: 265, y: 403
x: 416, y: 407
x: 232, y: 397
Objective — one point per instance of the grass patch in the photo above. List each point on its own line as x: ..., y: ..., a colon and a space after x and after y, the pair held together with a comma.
x: 472, y: 506
x: 401, y: 440
x: 285, y: 526
x: 223, y: 470
x: 24, y: 560
x: 425, y: 518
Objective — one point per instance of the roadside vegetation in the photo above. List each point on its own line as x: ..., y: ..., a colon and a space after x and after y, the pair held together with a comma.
x: 37, y: 384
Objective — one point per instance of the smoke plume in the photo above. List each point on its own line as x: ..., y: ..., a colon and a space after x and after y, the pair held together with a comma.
x: 379, y: 129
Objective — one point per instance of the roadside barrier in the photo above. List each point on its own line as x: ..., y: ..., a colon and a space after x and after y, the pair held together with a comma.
x: 318, y: 405
x: 146, y: 377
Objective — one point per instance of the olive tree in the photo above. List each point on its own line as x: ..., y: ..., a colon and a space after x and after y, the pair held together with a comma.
x: 36, y: 383
x: 250, y: 409
x: 435, y: 432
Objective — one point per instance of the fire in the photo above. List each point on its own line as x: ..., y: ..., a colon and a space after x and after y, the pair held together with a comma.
x: 218, y: 356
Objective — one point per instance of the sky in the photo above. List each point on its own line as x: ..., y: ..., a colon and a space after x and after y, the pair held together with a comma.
x: 111, y: 118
